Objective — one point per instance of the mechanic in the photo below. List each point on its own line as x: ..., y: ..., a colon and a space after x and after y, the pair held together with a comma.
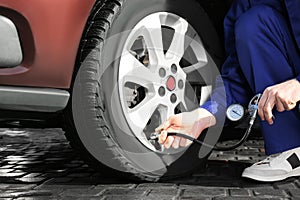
x: 262, y: 41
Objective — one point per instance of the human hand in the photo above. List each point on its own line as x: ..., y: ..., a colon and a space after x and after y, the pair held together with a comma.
x: 191, y: 123
x: 284, y: 96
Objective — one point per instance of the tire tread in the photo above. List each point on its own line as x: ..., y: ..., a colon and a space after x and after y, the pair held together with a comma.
x: 102, y: 16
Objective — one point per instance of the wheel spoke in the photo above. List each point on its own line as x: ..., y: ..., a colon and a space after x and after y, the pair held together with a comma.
x: 136, y: 72
x: 152, y: 34
x: 201, y: 56
x: 177, y: 47
x: 189, y: 104
x: 166, y: 112
x: 170, y: 111
x: 188, y: 98
x: 141, y: 114
x: 195, y: 67
x: 205, y: 93
x: 203, y: 72
x: 184, y: 105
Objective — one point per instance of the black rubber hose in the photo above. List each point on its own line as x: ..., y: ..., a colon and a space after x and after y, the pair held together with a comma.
x: 216, y: 147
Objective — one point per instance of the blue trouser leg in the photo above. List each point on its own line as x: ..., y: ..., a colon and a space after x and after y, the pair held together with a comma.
x: 267, y: 55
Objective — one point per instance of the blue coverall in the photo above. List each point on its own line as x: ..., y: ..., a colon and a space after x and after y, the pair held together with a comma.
x: 262, y: 41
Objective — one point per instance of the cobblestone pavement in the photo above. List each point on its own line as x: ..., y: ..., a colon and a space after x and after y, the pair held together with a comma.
x: 39, y: 164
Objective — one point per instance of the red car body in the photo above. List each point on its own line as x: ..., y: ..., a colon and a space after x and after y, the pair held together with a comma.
x: 51, y: 40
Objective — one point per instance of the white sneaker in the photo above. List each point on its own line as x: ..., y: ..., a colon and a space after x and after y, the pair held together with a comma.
x: 275, y: 167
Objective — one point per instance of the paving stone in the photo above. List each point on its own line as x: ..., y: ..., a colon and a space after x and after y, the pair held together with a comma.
x: 239, y: 193
x: 296, y: 180
x: 58, y: 189
x: 163, y: 191
x: 29, y: 193
x: 156, y: 185
x: 21, y: 167
x: 3, y: 186
x: 204, y: 192
x: 56, y: 170
x: 127, y: 197
x: 31, y: 180
x: 194, y: 198
x: 82, y: 198
x: 55, y: 159
x: 121, y: 186
x: 3, y: 171
x: 30, y: 162
x: 17, y: 158
x: 12, y: 162
x: 32, y: 175
x: 122, y: 192
x: 250, y: 198
x: 11, y: 175
x: 7, y: 167
x: 159, y: 196
x: 81, y: 192
x: 295, y: 193
x: 285, y: 185
x: 37, y: 198
x: 20, y: 186
x: 268, y: 193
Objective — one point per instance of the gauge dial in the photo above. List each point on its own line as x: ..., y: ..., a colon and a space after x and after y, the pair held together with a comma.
x: 235, y: 112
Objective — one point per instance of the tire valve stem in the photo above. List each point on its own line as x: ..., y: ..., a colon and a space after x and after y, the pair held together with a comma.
x: 154, y: 136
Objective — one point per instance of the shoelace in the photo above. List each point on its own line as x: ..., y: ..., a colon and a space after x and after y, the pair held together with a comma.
x: 268, y: 159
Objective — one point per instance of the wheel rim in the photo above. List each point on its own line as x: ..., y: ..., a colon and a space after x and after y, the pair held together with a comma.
x: 159, y: 55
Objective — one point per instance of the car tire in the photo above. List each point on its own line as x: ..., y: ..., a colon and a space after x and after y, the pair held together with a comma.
x: 98, y: 123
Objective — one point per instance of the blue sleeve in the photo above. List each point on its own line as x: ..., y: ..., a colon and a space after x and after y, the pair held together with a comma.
x: 298, y: 78
x: 231, y: 87
x: 293, y: 7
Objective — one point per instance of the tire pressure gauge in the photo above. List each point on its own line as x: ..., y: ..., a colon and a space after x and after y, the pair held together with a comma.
x: 235, y: 112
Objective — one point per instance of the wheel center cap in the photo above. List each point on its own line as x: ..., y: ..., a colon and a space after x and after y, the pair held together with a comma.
x: 171, y: 83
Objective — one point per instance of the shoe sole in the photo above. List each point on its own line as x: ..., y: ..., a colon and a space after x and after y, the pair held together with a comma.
x: 295, y: 172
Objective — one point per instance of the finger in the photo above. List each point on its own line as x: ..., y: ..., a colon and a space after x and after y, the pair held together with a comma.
x: 261, y: 105
x: 176, y: 142
x: 185, y: 142
x: 162, y: 126
x: 290, y: 106
x: 182, y: 142
x: 268, y: 107
x: 159, y: 128
x: 162, y: 137
x: 280, y: 106
x: 286, y: 102
x: 188, y: 142
x: 165, y: 125
x: 169, y: 141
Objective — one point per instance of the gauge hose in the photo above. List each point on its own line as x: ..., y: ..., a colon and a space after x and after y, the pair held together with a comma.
x: 216, y: 147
